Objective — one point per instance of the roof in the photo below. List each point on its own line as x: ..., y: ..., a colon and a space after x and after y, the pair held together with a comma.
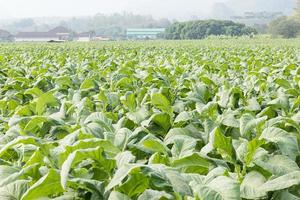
x: 145, y: 31
x: 35, y: 34
x: 4, y: 33
x: 52, y: 33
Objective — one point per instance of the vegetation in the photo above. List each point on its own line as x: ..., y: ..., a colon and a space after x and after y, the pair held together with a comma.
x: 146, y: 121
x: 204, y: 28
x: 113, y: 25
x: 298, y: 9
x: 286, y: 27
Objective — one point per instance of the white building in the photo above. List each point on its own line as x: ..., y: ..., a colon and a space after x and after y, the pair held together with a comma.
x: 84, y: 37
x: 144, y: 33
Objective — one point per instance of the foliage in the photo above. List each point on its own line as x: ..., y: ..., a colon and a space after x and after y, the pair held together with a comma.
x: 298, y: 10
x: 149, y: 121
x: 111, y: 25
x: 204, y: 28
x: 286, y: 27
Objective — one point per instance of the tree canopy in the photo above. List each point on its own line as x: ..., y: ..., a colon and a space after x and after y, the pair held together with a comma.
x: 298, y: 9
x: 203, y: 28
x: 112, y: 25
x: 287, y: 26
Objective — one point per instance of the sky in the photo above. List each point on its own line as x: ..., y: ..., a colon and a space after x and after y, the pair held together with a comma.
x: 172, y: 9
x: 158, y: 8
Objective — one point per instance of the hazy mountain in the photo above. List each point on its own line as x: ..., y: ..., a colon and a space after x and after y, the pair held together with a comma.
x: 171, y: 9
x: 221, y: 10
x: 241, y: 6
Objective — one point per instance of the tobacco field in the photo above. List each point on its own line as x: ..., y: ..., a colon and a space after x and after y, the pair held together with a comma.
x: 149, y: 122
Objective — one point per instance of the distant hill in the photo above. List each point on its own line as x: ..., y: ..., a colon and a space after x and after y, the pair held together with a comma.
x: 264, y: 11
x: 108, y: 25
x: 222, y: 11
x: 241, y: 6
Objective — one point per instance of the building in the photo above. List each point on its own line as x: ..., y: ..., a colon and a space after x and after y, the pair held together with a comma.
x: 144, y: 33
x: 59, y: 33
x: 6, y: 36
x: 102, y: 38
x: 84, y: 37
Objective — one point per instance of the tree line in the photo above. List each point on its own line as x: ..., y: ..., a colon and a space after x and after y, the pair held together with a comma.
x: 111, y: 25
x: 203, y: 28
x: 287, y: 26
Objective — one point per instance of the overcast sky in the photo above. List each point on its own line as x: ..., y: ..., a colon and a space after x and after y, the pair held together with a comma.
x: 158, y: 8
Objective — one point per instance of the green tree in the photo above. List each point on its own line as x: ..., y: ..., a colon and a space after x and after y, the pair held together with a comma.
x: 298, y: 9
x: 203, y: 28
x: 285, y: 27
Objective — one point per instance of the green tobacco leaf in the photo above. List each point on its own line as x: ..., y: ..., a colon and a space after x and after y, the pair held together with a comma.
x: 35, y: 92
x: 121, y: 138
x: 80, y: 155
x: 43, y: 101
x: 193, y: 164
x: 36, y: 158
x: 282, y: 182
x: 223, y: 145
x: 252, y: 147
x: 161, y: 102
x: 179, y: 183
x: 284, y: 195
x: 117, y: 196
x: 35, y: 122
x: 47, y: 185
x: 281, y: 102
x: 253, y: 105
x: 158, y: 123
x: 277, y: 165
x: 120, y: 174
x: 9, y: 176
x: 228, y: 119
x: 250, y: 187
x: 154, y: 145
x: 185, y: 133
x: 220, y: 188
x: 19, y: 140
x: 136, y: 184
x: 139, y: 115
x: 101, y: 119
x: 248, y: 123
x: 159, y: 158
x: 110, y: 149
x: 224, y: 98
x: 283, y: 83
x: 64, y: 81
x: 91, y: 185
x: 124, y: 158
x: 287, y: 143
x: 129, y: 101
x: 154, y: 195
x: 87, y: 84
x: 14, y: 191
x: 182, y: 118
x: 6, y: 171
x: 183, y: 147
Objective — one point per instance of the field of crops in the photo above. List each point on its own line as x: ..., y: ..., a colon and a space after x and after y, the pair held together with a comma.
x: 153, y: 121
